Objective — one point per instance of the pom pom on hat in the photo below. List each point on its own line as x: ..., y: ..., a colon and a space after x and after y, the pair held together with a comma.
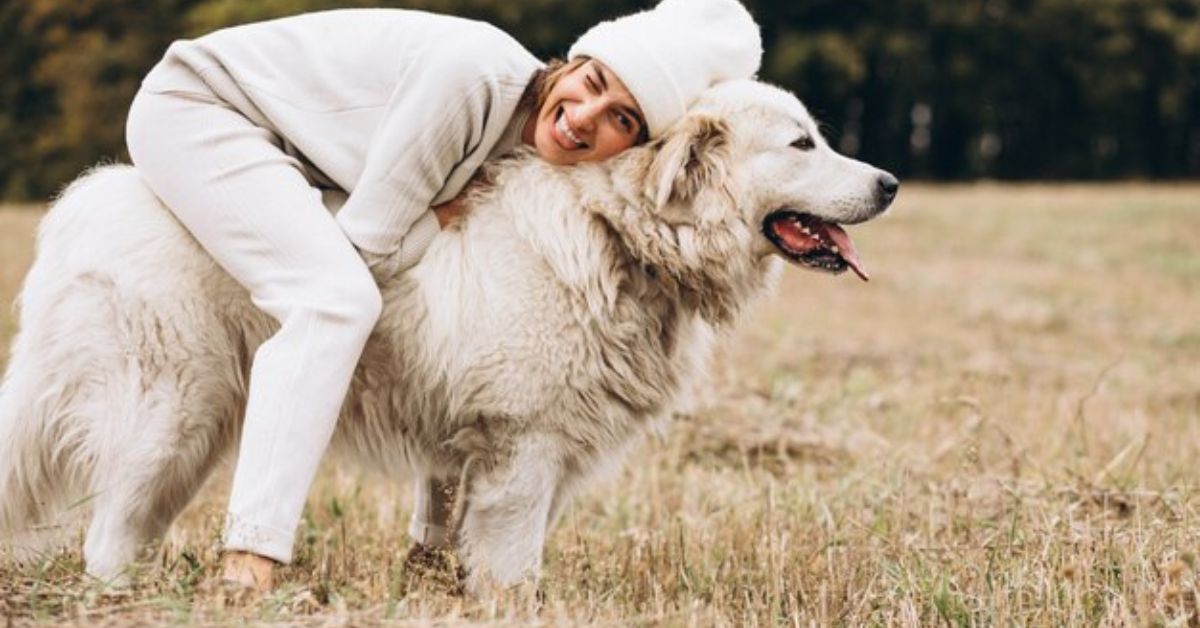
x: 668, y: 55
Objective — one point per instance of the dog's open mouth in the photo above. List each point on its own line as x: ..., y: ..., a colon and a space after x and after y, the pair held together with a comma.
x: 812, y: 242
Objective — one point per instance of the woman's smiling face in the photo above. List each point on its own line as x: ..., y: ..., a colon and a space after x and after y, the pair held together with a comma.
x: 588, y: 115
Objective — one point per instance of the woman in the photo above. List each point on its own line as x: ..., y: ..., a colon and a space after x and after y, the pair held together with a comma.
x: 237, y: 131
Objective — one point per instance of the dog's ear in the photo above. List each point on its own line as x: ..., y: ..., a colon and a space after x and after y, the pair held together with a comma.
x: 690, y: 157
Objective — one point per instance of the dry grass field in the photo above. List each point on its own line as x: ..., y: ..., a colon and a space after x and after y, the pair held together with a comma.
x: 1001, y: 428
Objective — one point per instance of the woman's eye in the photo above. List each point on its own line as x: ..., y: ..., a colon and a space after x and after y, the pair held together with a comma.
x: 804, y: 143
x: 625, y: 122
x: 592, y: 86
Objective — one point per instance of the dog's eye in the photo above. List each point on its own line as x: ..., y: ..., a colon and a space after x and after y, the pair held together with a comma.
x: 804, y: 143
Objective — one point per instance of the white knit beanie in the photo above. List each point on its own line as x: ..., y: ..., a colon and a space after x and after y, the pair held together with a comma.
x: 669, y: 54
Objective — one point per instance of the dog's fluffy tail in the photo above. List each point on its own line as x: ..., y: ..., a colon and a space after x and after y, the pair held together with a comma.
x: 26, y: 483
x: 18, y: 479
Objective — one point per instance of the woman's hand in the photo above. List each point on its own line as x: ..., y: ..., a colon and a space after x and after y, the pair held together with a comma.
x: 451, y: 211
x: 457, y: 208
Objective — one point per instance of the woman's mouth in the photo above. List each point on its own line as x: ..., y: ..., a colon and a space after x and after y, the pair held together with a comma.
x: 565, y: 137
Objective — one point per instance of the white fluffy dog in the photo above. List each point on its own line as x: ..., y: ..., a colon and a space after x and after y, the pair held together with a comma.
x: 534, y: 344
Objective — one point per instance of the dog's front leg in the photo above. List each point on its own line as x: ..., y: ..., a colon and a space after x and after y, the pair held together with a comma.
x: 506, y: 514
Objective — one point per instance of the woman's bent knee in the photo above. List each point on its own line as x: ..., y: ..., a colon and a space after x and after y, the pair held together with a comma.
x: 353, y: 299
x: 368, y: 302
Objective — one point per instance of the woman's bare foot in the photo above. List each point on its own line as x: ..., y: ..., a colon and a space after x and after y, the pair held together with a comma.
x: 249, y: 571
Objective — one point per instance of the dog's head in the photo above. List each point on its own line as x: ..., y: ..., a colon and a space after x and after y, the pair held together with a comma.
x: 746, y: 175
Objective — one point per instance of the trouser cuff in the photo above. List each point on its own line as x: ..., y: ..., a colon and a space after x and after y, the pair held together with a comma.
x: 268, y: 541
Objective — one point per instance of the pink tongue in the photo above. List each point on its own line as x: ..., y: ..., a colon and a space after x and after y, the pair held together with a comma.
x: 795, y: 239
x: 845, y: 248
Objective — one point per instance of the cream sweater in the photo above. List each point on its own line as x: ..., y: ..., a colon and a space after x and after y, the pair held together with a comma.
x: 399, y: 108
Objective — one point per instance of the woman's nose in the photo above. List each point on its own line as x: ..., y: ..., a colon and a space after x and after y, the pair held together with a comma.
x: 585, y: 114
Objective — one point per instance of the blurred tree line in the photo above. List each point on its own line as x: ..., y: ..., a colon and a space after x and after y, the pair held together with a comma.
x: 942, y: 89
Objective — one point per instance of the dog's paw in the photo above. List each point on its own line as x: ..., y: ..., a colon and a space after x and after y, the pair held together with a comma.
x: 435, y: 565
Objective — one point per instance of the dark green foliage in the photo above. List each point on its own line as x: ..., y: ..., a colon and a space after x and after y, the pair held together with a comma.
x: 1012, y: 89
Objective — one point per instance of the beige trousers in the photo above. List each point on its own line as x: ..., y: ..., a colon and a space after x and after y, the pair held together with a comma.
x: 252, y: 202
x: 254, y: 208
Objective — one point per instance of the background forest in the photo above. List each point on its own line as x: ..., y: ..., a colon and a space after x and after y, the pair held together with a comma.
x: 932, y: 89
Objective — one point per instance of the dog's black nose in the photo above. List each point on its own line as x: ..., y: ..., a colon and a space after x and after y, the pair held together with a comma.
x: 888, y: 186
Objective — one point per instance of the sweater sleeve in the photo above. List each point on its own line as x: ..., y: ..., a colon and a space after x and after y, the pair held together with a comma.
x: 434, y: 118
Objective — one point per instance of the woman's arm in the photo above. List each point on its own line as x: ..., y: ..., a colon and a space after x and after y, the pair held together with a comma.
x: 383, y: 266
x: 436, y: 118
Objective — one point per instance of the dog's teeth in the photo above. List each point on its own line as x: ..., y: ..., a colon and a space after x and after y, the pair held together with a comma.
x: 834, y: 248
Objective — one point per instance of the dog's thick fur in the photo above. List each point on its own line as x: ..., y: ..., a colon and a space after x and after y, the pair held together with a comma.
x: 533, y: 344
